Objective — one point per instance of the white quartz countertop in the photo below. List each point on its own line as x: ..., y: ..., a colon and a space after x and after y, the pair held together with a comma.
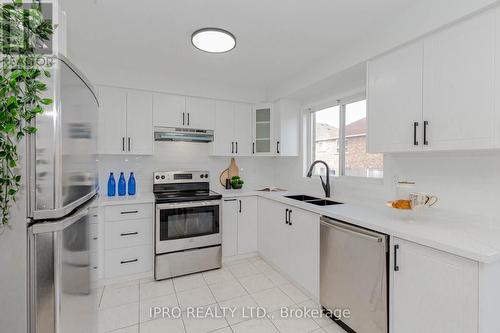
x: 140, y: 198
x: 468, y: 239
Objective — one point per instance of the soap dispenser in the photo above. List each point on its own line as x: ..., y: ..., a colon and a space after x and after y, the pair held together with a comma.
x: 131, y: 184
x: 122, y: 185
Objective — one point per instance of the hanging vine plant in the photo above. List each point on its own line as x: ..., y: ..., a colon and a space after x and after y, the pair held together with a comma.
x: 24, y: 32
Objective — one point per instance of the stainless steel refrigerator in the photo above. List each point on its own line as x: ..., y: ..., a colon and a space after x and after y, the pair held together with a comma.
x: 58, y: 202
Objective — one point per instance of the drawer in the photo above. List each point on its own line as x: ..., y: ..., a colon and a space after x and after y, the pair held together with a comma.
x: 94, y: 215
x: 129, y: 233
x: 128, y: 261
x: 128, y: 212
x: 93, y: 237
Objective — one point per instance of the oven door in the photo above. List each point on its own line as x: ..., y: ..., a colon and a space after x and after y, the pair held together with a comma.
x: 187, y: 225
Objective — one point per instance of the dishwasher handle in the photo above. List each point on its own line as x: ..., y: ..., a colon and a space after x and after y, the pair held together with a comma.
x: 352, y: 230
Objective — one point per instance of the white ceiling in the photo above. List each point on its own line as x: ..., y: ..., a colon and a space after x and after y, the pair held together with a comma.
x: 277, y: 40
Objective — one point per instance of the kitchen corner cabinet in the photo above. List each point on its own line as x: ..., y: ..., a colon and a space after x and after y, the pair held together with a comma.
x: 233, y: 129
x: 286, y: 128
x: 183, y: 112
x: 433, y: 291
x: 437, y: 93
x: 289, y: 239
x: 239, y: 226
x: 263, y: 130
x: 125, y: 122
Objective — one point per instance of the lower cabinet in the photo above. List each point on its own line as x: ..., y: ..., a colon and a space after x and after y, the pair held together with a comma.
x: 289, y: 239
x: 239, y: 226
x: 433, y: 291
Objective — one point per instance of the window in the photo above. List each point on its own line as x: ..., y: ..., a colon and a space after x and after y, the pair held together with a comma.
x: 342, y: 128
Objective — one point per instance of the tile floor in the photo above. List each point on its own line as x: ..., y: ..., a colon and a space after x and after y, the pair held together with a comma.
x: 242, y: 285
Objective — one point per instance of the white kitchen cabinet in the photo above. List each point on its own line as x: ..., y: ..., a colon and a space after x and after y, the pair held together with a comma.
x: 233, y: 129
x: 433, y: 291
x: 200, y: 113
x: 263, y: 130
x: 139, y: 123
x: 247, y: 225
x: 458, y: 85
x: 125, y: 122
x: 169, y: 110
x: 438, y: 93
x: 289, y: 239
x: 286, y: 128
x: 239, y: 226
x: 229, y: 227
x: 394, y: 97
x: 112, y: 120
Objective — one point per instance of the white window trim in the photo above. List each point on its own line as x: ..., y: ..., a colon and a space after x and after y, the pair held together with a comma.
x: 309, y: 129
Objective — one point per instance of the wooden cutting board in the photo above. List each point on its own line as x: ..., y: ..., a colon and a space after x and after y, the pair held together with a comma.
x: 230, y: 172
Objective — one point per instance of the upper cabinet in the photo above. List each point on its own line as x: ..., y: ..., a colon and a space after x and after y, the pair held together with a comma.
x: 438, y: 93
x: 125, y: 122
x: 286, y: 128
x: 169, y: 110
x: 184, y: 112
x: 394, y: 97
x: 263, y: 130
x: 233, y: 129
x: 459, y: 65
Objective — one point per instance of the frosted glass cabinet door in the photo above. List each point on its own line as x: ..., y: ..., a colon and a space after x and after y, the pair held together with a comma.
x: 263, y: 129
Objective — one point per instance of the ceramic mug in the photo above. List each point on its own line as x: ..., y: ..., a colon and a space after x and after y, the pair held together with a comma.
x: 419, y: 200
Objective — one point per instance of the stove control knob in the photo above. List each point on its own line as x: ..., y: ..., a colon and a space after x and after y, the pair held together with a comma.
x: 157, y: 177
x: 201, y: 176
x: 206, y: 175
x: 162, y: 177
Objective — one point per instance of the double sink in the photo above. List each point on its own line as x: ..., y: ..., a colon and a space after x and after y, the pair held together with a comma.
x: 313, y: 200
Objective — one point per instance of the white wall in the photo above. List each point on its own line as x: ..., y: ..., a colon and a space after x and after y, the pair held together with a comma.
x: 256, y: 172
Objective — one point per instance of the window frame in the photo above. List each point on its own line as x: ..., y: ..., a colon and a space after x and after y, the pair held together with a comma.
x: 310, y: 130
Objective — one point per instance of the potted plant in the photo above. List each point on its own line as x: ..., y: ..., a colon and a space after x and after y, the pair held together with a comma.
x: 236, y: 182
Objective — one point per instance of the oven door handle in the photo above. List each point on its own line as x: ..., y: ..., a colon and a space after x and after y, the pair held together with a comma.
x: 175, y: 205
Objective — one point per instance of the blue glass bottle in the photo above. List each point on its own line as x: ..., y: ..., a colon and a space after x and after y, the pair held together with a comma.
x: 131, y: 184
x: 122, y: 185
x: 111, y: 185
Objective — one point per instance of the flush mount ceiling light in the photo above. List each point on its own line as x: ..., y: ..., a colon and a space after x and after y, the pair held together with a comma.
x: 213, y: 40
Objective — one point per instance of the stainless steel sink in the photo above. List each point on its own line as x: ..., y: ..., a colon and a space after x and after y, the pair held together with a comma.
x: 312, y: 200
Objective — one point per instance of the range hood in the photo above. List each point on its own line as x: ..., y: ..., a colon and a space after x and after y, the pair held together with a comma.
x: 183, y: 134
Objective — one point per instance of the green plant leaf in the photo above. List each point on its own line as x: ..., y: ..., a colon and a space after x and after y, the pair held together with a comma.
x: 46, y: 101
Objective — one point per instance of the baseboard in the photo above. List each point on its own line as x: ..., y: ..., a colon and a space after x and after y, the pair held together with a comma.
x: 121, y: 279
x: 239, y: 257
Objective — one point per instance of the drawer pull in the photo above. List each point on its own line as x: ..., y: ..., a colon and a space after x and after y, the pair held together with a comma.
x: 130, y: 212
x: 128, y: 261
x: 94, y: 238
x: 129, y: 233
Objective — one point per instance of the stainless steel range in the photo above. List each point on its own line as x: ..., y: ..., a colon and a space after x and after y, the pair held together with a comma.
x: 187, y: 224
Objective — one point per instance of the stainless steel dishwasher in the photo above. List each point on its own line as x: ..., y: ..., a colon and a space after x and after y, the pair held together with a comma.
x: 353, y: 276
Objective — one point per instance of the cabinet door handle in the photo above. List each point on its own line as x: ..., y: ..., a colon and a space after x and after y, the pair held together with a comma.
x: 286, y: 216
x: 253, y: 148
x: 396, y: 248
x: 227, y: 200
x: 277, y: 147
x: 188, y: 118
x: 129, y: 212
x: 236, y: 147
x: 128, y: 261
x: 415, y: 125
x: 232, y: 147
x: 128, y: 143
x: 425, y: 133
x: 183, y: 118
x: 290, y: 217
x: 240, y: 206
x: 129, y: 233
x: 123, y: 143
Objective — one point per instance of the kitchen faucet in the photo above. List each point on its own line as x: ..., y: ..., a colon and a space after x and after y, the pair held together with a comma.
x: 326, y: 186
